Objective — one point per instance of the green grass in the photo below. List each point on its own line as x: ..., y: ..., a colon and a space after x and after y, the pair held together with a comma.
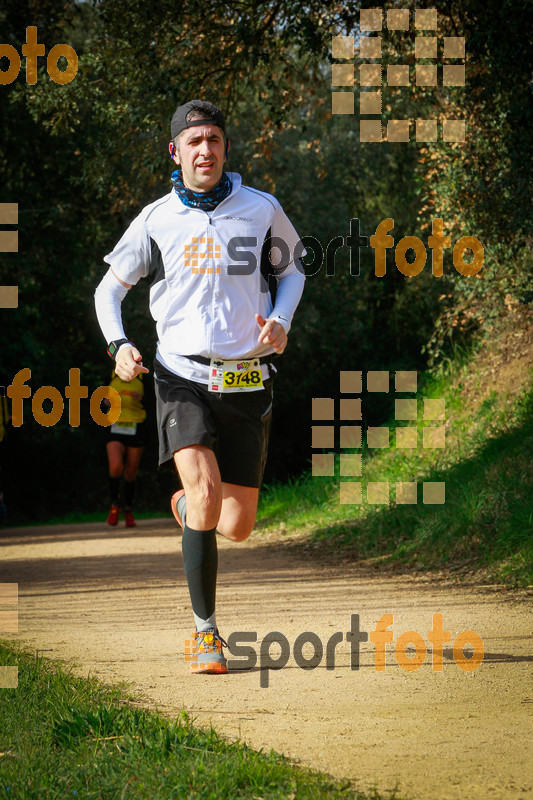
x: 485, y: 525
x: 62, y: 737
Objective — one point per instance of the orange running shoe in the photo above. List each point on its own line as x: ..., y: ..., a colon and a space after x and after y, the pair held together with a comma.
x: 113, y: 515
x: 129, y: 519
x: 204, y: 653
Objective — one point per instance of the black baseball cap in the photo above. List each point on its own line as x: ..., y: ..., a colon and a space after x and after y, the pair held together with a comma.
x: 213, y: 116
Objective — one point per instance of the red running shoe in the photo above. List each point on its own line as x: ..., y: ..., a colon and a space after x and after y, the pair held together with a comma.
x: 174, y: 505
x: 129, y: 519
x: 113, y: 515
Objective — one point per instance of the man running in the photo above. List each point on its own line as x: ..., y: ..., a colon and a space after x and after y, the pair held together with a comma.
x: 207, y: 247
x: 124, y: 445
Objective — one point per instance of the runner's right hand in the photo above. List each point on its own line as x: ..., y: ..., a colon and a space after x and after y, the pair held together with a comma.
x: 128, y: 363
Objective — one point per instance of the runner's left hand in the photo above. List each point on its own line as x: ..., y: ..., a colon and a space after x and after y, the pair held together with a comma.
x: 272, y: 333
x: 129, y: 363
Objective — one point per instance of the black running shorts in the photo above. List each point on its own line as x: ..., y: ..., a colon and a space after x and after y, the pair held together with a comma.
x: 235, y: 426
x: 135, y: 439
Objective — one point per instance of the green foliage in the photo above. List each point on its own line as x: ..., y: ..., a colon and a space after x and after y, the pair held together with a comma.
x: 82, y: 159
x: 486, y: 522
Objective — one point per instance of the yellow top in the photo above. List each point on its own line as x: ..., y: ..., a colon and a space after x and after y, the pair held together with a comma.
x: 131, y: 395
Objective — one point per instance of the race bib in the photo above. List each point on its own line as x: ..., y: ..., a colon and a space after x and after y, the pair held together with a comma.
x: 125, y: 428
x: 235, y: 376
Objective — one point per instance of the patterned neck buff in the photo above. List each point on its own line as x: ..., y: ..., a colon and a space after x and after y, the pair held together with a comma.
x: 205, y: 201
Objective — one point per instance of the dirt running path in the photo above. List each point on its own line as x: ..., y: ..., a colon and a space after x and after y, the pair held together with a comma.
x: 116, y: 603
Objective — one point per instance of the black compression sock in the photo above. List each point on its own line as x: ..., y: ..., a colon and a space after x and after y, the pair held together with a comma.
x: 200, y: 558
x: 129, y: 493
x: 114, y: 490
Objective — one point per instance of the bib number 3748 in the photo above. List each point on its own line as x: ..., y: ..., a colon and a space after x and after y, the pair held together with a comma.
x: 235, y: 376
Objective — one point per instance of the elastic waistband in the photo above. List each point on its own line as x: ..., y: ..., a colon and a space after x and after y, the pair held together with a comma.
x: 204, y: 360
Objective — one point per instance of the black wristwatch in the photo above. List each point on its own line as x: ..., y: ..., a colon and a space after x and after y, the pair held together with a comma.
x: 113, y: 347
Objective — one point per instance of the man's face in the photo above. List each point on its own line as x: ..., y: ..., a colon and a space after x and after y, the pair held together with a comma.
x: 200, y: 154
